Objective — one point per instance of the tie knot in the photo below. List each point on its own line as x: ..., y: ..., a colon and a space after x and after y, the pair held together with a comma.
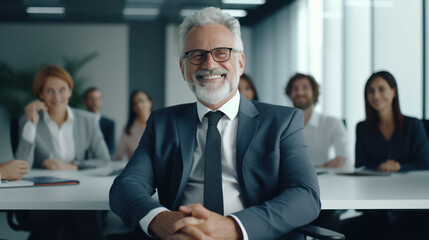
x: 214, y: 117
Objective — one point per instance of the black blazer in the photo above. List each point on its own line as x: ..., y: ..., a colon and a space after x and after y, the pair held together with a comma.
x: 107, y: 127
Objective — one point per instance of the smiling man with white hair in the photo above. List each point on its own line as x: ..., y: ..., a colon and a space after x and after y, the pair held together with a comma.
x: 224, y: 167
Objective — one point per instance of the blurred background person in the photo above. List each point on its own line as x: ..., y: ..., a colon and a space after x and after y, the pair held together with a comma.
x: 139, y: 109
x: 387, y: 140
x: 93, y: 100
x: 246, y: 87
x: 55, y: 136
x: 321, y: 132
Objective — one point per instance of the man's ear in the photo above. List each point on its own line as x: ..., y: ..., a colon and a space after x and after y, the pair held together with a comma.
x: 182, y: 69
x: 241, y: 61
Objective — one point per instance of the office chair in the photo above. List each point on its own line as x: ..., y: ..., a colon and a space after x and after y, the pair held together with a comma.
x: 14, y: 134
x: 316, y: 232
x: 426, y: 126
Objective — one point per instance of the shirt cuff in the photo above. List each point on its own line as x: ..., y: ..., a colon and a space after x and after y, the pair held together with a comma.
x: 29, y: 132
x: 243, y: 230
x: 145, y: 221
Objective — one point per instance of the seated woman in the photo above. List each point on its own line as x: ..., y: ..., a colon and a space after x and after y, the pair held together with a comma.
x: 55, y: 136
x: 139, y: 109
x: 246, y: 87
x: 388, y: 140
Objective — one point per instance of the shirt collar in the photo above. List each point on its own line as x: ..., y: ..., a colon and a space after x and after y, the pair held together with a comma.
x: 70, y: 115
x: 230, y: 108
x: 314, y: 119
x: 97, y: 117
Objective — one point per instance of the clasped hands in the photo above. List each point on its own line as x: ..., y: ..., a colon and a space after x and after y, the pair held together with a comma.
x: 194, y: 222
x: 54, y: 164
x: 389, y: 165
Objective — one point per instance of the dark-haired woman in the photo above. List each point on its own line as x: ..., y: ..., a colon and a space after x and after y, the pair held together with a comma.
x: 387, y: 140
x: 140, y: 106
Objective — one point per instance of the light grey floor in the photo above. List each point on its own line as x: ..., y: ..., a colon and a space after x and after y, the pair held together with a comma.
x: 7, y: 233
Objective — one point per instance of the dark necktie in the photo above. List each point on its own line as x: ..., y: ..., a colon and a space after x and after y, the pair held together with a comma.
x: 213, y: 197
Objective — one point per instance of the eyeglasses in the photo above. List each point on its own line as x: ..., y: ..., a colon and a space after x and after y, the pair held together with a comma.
x: 199, y: 56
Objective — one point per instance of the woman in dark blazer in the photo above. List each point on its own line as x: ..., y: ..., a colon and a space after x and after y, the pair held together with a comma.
x: 387, y: 140
x: 391, y: 142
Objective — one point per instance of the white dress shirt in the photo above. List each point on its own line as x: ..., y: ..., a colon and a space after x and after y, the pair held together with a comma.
x: 62, y: 137
x: 326, y: 138
x: 194, y: 191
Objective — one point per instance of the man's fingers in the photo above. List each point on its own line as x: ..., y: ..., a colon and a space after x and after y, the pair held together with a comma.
x: 189, y: 232
x: 184, y: 222
x: 195, y: 210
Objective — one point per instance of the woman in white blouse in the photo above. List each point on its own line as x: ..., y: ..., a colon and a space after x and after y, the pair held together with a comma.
x: 55, y: 136
x: 140, y: 107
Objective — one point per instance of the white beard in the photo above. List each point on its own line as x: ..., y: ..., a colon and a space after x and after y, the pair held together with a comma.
x: 212, y: 93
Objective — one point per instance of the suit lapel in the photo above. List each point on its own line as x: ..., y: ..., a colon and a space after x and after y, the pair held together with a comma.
x: 247, y: 128
x: 187, y: 128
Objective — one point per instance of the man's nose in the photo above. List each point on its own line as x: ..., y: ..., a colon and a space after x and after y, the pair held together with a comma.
x: 210, y: 63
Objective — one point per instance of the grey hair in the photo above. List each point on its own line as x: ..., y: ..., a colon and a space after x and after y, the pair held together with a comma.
x: 208, y: 16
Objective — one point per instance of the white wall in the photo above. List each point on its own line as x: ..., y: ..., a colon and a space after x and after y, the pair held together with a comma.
x: 357, y: 62
x: 25, y: 47
x: 398, y: 49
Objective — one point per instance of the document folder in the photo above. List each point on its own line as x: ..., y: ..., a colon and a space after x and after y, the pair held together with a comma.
x: 51, y: 181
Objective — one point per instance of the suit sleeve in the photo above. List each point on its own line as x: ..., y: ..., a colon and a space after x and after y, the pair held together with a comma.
x: 297, y: 202
x: 97, y: 153
x: 420, y: 148
x: 25, y: 149
x: 130, y: 194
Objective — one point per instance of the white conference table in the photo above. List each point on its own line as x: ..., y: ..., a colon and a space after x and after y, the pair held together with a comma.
x: 397, y: 191
x: 408, y: 190
x: 92, y: 193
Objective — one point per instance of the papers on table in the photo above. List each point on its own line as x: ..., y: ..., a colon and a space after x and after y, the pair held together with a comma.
x: 17, y: 183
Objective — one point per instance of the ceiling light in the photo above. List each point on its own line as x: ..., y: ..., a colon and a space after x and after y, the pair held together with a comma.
x: 232, y: 12
x: 46, y: 10
x: 236, y: 12
x: 141, y: 11
x: 249, y: 2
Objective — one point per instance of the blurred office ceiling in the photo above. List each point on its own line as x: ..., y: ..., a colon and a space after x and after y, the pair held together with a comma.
x: 88, y: 11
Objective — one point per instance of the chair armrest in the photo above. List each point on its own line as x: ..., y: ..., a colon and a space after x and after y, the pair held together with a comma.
x: 319, y: 232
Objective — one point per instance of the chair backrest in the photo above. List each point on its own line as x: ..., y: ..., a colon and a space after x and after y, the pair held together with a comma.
x: 14, y: 134
x: 426, y: 125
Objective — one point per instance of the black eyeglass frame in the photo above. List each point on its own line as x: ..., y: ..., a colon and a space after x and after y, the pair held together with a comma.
x: 211, y: 53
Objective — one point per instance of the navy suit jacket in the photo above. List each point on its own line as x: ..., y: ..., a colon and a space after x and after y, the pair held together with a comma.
x: 275, y: 173
x: 107, y: 127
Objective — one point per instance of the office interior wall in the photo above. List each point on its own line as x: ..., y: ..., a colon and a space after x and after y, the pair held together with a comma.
x: 426, y: 67
x: 357, y: 62
x: 280, y: 44
x: 146, y: 59
x: 25, y: 47
x: 397, y: 39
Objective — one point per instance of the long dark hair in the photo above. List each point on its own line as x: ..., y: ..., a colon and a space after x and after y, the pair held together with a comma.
x: 246, y: 77
x: 372, y: 119
x: 131, y: 113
